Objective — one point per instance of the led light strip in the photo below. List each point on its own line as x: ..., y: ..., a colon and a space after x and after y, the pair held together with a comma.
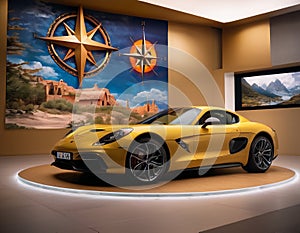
x: 94, y: 193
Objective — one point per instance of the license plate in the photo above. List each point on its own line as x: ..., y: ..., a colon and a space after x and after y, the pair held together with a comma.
x: 63, y: 155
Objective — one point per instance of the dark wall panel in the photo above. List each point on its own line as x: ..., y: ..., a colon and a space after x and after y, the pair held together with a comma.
x: 285, y: 39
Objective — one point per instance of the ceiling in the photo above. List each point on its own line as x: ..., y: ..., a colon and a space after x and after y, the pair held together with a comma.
x: 225, y: 11
x: 172, y: 11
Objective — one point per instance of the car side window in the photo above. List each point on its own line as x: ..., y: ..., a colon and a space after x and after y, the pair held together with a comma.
x: 204, y: 118
x: 231, y: 118
x: 217, y: 115
x: 222, y: 116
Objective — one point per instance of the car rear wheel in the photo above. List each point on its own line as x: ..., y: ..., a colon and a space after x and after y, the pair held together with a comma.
x: 146, y: 161
x: 260, y: 156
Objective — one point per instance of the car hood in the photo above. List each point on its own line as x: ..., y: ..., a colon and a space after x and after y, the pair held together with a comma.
x: 165, y: 131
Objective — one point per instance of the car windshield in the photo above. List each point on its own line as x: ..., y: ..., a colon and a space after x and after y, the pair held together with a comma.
x: 174, y: 116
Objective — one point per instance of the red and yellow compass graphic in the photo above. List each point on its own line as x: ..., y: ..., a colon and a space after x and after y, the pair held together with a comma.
x: 142, y: 56
x: 78, y: 44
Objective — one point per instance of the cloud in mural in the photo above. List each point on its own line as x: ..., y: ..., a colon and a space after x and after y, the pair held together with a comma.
x: 122, y: 102
x: 46, y: 71
x: 44, y: 10
x: 47, y: 59
x: 40, y: 15
x: 15, y: 60
x: 153, y: 94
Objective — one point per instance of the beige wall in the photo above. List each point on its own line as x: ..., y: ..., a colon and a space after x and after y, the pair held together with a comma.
x: 195, y: 55
x: 286, y: 124
x: 246, y: 48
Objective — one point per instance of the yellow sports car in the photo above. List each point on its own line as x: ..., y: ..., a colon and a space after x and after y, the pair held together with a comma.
x: 172, y: 140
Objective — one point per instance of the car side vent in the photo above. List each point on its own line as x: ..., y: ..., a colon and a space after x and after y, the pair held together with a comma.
x: 237, y: 144
x: 184, y: 145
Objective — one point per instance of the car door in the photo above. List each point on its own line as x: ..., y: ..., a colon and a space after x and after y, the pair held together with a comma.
x: 212, y: 135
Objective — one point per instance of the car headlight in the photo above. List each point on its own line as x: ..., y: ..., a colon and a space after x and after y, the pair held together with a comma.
x: 114, y: 136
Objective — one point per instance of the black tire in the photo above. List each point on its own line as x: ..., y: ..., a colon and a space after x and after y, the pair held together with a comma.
x: 260, y: 155
x: 146, y: 161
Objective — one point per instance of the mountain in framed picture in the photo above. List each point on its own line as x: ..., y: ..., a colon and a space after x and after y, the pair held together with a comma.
x: 278, y: 88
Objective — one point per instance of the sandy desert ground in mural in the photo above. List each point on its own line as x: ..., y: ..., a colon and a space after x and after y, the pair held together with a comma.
x: 45, y: 120
x: 40, y: 120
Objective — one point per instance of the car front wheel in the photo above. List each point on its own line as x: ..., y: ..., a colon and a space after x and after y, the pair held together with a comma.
x: 260, y: 156
x: 146, y: 161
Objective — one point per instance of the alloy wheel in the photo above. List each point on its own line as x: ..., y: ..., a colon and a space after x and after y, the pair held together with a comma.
x: 147, y: 161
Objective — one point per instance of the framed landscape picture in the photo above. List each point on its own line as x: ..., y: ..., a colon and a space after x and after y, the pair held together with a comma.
x: 279, y: 88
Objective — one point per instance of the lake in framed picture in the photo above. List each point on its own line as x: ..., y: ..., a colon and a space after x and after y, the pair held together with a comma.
x: 279, y: 88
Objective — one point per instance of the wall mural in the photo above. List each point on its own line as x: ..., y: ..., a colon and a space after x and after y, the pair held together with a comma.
x: 69, y: 65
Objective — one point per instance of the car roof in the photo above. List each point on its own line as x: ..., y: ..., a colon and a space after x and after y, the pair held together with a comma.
x: 209, y: 108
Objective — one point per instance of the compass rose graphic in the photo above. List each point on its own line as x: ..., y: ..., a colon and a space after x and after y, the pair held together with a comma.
x: 142, y: 55
x: 78, y: 44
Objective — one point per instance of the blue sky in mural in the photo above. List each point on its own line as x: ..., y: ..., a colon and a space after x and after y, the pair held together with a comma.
x: 118, y: 75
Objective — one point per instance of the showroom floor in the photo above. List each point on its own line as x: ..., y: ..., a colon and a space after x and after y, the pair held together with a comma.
x: 33, y: 210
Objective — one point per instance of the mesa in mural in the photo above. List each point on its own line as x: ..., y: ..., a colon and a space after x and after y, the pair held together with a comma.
x: 68, y: 66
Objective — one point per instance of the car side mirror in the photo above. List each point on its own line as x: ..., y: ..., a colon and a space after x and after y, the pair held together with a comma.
x: 211, y: 121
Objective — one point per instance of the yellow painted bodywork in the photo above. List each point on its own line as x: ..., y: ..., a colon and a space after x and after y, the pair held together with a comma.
x: 207, y: 146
